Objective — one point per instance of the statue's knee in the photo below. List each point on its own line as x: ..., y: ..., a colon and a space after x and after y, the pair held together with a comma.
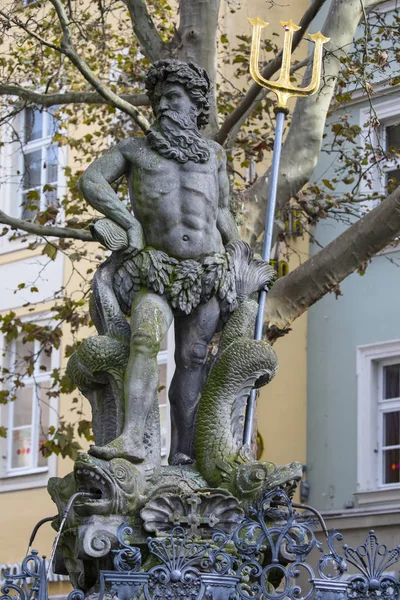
x: 196, y: 354
x: 146, y: 344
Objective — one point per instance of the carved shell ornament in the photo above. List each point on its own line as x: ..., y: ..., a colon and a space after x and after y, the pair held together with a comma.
x: 196, y: 512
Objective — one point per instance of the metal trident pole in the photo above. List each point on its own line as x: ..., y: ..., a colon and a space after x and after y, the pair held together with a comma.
x: 266, y: 255
x: 284, y: 90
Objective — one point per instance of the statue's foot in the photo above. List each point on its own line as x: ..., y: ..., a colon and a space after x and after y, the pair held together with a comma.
x: 179, y: 458
x: 122, y: 447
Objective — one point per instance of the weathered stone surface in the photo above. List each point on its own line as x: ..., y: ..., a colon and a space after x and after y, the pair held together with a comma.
x: 179, y: 258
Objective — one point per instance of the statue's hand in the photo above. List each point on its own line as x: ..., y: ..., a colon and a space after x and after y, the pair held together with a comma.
x: 135, y: 240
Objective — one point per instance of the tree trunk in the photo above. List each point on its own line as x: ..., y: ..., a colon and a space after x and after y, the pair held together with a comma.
x: 294, y: 294
x: 197, y: 42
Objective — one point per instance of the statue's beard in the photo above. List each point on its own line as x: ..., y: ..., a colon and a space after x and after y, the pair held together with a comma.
x: 175, y: 135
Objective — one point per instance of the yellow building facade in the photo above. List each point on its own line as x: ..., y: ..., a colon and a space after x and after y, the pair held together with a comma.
x: 23, y: 472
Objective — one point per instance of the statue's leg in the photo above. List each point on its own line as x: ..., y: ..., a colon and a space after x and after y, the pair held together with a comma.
x: 192, y: 336
x: 105, y: 311
x: 150, y: 321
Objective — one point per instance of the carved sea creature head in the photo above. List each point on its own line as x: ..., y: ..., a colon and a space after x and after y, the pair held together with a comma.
x: 255, y: 478
x: 117, y: 486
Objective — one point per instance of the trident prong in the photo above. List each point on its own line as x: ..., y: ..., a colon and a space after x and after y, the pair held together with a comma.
x: 283, y: 88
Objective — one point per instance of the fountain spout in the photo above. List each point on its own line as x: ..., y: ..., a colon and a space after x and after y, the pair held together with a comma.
x: 64, y: 518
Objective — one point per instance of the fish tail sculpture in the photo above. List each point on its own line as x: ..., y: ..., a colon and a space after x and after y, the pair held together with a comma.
x: 242, y: 363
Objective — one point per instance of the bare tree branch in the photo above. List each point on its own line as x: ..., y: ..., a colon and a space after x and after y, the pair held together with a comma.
x: 150, y: 41
x: 21, y: 25
x: 44, y: 230
x: 47, y: 100
x: 294, y: 294
x: 271, y: 68
x: 303, y: 142
x: 69, y: 51
x: 368, y: 4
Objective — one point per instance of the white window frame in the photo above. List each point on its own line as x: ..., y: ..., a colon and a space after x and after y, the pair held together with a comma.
x: 31, y: 477
x: 384, y: 406
x: 42, y: 144
x: 11, y: 161
x: 370, y: 360
x: 388, y: 113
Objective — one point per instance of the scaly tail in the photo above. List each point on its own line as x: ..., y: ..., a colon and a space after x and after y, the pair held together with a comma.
x: 242, y: 363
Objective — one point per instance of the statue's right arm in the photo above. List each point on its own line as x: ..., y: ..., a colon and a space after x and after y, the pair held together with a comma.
x: 97, y: 191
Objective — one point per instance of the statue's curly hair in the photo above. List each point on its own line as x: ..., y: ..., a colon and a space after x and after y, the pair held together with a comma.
x: 194, y: 79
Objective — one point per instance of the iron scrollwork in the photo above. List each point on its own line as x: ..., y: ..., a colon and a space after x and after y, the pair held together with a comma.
x: 30, y: 584
x: 262, y: 559
x: 373, y: 560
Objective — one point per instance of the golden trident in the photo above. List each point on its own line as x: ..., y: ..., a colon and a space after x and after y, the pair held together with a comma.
x: 284, y: 90
x: 282, y: 87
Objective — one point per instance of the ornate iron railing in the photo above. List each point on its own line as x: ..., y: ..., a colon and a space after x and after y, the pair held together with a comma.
x: 269, y: 556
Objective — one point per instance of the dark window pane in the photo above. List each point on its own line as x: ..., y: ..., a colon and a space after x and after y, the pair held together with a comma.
x: 29, y: 207
x: 393, y: 136
x: 45, y: 359
x: 33, y: 168
x: 391, y: 428
x: 51, y: 164
x: 391, y: 466
x: 23, y: 407
x: 393, y: 179
x: 52, y: 122
x: 24, y: 353
x: 43, y: 422
x: 391, y: 381
x: 33, y: 124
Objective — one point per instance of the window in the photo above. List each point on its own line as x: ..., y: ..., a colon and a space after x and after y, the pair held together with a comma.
x: 39, y: 162
x: 391, y: 138
x: 250, y: 173
x: 29, y: 414
x: 31, y: 170
x: 378, y: 423
x: 165, y: 370
x: 27, y: 417
x: 389, y: 421
x: 387, y: 138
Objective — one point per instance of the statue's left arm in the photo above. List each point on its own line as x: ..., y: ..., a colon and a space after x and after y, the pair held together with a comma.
x: 225, y: 220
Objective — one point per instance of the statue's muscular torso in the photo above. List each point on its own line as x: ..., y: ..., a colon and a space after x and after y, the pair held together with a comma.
x: 176, y: 204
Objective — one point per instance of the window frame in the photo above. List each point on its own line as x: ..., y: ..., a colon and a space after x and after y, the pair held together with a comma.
x: 384, y: 406
x: 33, y: 381
x: 370, y: 361
x: 29, y: 147
x: 387, y: 111
x: 35, y: 476
x: 12, y: 170
x: 391, y: 164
